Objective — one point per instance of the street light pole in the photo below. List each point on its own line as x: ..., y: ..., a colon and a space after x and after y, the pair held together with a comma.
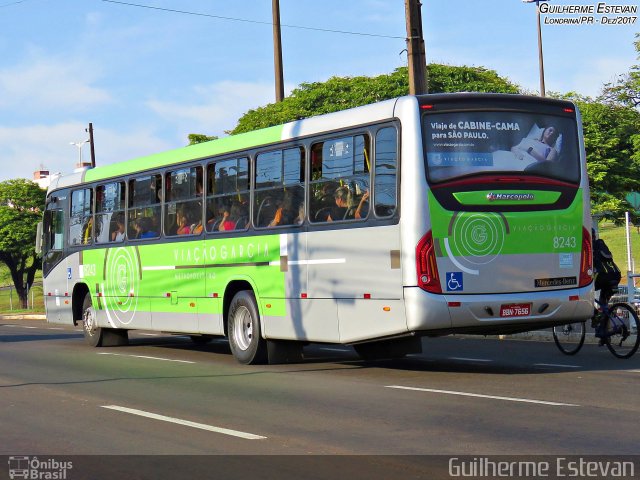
x: 540, y: 57
x: 79, y: 145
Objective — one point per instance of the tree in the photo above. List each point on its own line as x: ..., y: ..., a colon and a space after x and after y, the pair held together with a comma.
x: 195, y: 138
x: 626, y: 89
x: 612, y: 145
x: 21, y: 205
x: 339, y: 93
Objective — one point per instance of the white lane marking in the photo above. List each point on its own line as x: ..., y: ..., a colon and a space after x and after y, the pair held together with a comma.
x: 54, y: 328
x: 202, y: 426
x: 12, y: 326
x: 562, y: 365
x: 464, y: 359
x: 150, y: 334
x: 634, y: 371
x: 144, y: 356
x: 494, y: 397
x: 23, y: 326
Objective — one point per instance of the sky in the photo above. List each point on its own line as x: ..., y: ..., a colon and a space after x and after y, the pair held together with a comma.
x: 146, y: 78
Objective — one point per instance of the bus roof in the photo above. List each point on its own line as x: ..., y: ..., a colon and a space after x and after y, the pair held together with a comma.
x: 191, y: 152
x: 232, y: 143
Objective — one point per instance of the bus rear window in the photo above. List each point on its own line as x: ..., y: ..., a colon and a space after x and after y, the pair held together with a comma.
x: 460, y: 144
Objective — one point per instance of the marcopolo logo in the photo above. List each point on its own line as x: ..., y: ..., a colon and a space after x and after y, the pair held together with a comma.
x: 36, y: 469
x: 492, y: 197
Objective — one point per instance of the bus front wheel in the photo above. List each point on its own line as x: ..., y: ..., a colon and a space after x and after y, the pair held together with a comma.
x: 92, y: 333
x: 245, y: 339
x: 96, y: 336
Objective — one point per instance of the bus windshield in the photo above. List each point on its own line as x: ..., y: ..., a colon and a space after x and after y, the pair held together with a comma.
x: 463, y: 143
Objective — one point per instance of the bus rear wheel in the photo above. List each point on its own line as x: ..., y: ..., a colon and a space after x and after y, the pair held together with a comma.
x: 245, y: 338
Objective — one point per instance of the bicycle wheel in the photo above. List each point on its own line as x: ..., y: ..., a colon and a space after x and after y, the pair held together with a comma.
x: 569, y: 338
x: 622, y: 330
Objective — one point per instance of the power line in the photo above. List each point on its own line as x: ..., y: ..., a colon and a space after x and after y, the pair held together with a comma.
x: 12, y: 3
x: 234, y: 19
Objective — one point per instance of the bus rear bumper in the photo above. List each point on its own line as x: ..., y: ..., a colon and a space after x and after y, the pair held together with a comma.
x: 487, y: 314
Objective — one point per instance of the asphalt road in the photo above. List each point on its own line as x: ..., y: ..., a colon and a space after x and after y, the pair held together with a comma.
x: 163, y: 395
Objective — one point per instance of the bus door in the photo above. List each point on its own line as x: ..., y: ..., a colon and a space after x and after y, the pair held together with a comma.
x: 56, y: 277
x: 354, y: 261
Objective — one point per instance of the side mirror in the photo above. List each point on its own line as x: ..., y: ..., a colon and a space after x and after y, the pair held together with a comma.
x: 39, y: 239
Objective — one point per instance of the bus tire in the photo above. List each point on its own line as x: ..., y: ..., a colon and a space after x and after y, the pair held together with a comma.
x: 92, y: 333
x: 245, y: 336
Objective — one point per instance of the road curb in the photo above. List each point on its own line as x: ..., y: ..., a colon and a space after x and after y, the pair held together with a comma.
x: 25, y: 316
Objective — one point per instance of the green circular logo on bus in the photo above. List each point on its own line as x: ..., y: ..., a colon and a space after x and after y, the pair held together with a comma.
x: 123, y: 282
x: 478, y: 236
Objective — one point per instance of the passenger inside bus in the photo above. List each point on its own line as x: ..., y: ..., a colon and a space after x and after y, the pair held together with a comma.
x: 362, y: 210
x: 117, y: 235
x: 232, y: 217
x: 341, y: 208
x: 184, y: 222
x: 287, y: 211
x: 143, y: 227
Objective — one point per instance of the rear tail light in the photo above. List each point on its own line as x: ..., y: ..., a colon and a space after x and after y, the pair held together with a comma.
x: 428, y: 278
x: 586, y: 259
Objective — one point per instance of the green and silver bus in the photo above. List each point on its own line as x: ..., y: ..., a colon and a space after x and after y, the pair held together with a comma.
x: 372, y: 227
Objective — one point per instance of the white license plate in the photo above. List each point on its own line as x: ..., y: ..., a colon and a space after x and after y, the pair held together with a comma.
x: 515, y: 310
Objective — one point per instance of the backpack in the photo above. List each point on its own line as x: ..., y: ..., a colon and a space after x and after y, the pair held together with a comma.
x: 607, y: 272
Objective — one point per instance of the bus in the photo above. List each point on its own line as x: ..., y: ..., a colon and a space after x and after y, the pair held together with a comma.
x: 372, y: 227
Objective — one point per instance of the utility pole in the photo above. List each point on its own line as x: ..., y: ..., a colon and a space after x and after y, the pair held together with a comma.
x: 415, y: 48
x: 277, y: 50
x: 93, y: 151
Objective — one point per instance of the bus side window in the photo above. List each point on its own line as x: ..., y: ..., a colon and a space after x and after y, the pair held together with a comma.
x: 81, y: 219
x: 279, y: 188
x: 386, y: 171
x: 143, y: 221
x: 227, y: 206
x: 183, y: 204
x: 110, y: 205
x: 340, y: 179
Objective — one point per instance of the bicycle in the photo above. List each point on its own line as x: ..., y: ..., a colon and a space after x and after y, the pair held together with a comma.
x: 618, y: 327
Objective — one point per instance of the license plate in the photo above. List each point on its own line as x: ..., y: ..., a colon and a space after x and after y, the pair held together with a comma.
x: 515, y: 310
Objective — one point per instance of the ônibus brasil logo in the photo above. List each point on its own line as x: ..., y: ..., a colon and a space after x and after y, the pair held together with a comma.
x: 36, y: 469
x: 492, y: 197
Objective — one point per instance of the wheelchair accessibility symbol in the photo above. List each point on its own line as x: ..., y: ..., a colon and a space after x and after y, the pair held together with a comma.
x: 454, y: 281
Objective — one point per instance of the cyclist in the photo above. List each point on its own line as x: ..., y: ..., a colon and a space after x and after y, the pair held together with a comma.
x: 606, y: 278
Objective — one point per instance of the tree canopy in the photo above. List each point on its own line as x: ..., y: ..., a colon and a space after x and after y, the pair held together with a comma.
x: 339, y: 93
x: 626, y: 88
x: 612, y: 141
x: 612, y: 144
x: 21, y: 205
